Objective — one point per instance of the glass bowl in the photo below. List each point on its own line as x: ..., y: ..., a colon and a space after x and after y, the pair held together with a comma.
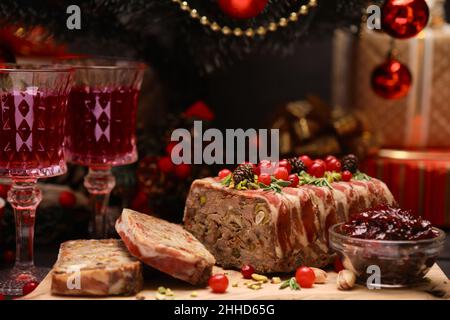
x: 401, y: 263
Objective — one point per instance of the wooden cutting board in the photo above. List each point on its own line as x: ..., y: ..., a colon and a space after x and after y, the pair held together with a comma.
x: 437, y: 287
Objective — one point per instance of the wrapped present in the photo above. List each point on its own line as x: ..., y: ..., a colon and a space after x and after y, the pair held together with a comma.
x: 422, y: 118
x: 419, y: 181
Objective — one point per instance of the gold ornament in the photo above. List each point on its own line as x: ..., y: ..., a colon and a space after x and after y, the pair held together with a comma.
x: 250, y: 32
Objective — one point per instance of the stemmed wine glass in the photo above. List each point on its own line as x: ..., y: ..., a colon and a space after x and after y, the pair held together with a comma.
x: 33, y: 102
x: 101, y: 125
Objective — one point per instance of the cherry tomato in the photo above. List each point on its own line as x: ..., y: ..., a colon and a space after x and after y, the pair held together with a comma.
x: 281, y: 173
x: 317, y: 170
x: 265, y: 178
x: 307, y: 161
x: 218, y: 283
x: 224, y: 173
x: 347, y: 176
x: 305, y: 277
x: 247, y: 271
x: 294, y: 179
x: 334, y: 165
x: 285, y: 164
x: 338, y: 266
x: 166, y: 165
x: 29, y: 287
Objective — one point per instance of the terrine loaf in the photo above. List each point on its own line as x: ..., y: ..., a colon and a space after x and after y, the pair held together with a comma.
x: 96, y: 268
x: 275, y: 231
x: 165, y: 246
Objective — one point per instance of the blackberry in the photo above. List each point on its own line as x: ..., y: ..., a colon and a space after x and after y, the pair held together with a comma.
x: 297, y: 165
x: 350, y: 163
x: 243, y: 172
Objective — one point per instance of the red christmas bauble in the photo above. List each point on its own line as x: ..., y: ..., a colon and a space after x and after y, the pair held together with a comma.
x: 242, y: 9
x: 391, y: 80
x: 404, y: 19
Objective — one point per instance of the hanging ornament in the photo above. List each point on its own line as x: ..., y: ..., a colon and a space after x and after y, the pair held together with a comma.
x: 242, y: 9
x: 404, y: 19
x: 391, y: 80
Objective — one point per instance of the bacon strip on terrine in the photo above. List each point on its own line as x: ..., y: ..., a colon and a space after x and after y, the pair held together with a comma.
x: 165, y: 246
x: 96, y: 268
x: 275, y: 232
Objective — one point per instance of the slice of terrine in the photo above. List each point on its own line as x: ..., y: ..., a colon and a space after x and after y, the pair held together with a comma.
x: 165, y: 246
x: 275, y: 232
x: 96, y: 268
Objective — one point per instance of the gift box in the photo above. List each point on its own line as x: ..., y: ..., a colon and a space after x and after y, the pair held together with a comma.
x: 422, y: 118
x: 419, y: 181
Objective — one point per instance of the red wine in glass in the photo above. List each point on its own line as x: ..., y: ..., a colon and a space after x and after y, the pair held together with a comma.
x: 33, y: 102
x: 101, y: 128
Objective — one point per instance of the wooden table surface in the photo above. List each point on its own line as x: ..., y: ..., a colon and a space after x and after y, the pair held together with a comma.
x: 437, y: 287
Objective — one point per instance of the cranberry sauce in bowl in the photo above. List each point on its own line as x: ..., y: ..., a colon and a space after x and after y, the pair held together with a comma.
x: 402, y: 246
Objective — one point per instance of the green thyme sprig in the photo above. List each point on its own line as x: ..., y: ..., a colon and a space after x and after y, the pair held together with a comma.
x: 306, y: 178
x: 227, y: 180
x: 360, y: 176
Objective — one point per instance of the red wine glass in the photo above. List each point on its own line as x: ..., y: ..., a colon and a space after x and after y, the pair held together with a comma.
x: 33, y: 102
x: 101, y: 127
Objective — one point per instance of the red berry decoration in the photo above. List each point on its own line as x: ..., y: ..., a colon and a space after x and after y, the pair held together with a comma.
x: 218, y: 283
x: 334, y: 165
x: 305, y: 277
x: 183, y: 171
x: 285, y: 164
x: 247, y: 271
x: 2, y: 297
x: 391, y: 80
x: 224, y: 173
x: 281, y: 173
x: 294, y: 179
x: 403, y: 19
x: 317, y: 169
x: 265, y: 178
x: 347, y: 176
x: 166, y: 165
x: 67, y: 199
x: 330, y: 158
x: 29, y: 287
x: 307, y: 161
x: 242, y: 9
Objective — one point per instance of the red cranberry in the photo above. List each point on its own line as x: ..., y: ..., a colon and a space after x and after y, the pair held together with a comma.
x: 265, y: 178
x: 307, y: 161
x: 347, y: 176
x: 285, y: 164
x: 334, y: 165
x: 294, y: 179
x: 317, y: 170
x: 224, y: 173
x: 330, y: 158
x: 247, y: 271
x: 281, y: 173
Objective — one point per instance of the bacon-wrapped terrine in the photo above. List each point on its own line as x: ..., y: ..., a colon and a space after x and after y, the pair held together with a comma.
x: 96, y: 268
x: 275, y: 232
x: 165, y: 246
